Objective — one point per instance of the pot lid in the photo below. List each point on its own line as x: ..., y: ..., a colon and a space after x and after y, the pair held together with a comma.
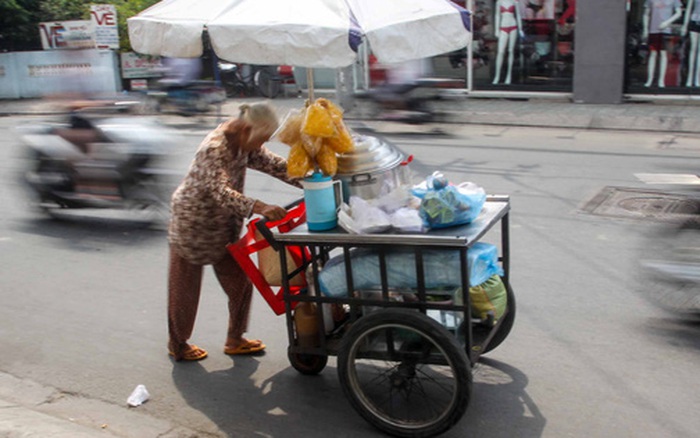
x: 370, y: 155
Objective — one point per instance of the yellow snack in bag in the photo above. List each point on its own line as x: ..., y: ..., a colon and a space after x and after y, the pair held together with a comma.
x: 290, y: 131
x: 341, y: 142
x: 311, y: 144
x: 335, y: 111
x: 327, y: 160
x: 298, y: 162
x: 318, y: 122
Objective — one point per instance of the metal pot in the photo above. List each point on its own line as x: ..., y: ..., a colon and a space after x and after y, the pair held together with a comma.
x: 372, y: 170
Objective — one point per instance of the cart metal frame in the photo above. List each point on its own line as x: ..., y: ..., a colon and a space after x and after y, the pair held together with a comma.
x: 321, y: 244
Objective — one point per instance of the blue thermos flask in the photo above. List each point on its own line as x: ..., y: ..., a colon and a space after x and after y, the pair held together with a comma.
x: 322, y: 198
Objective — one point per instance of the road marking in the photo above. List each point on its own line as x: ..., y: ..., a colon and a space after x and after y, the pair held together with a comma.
x: 668, y: 178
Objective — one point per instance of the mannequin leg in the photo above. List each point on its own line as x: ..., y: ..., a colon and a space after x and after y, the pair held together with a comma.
x: 502, y: 39
x: 694, y: 73
x: 691, y: 59
x: 650, y: 68
x: 663, y: 63
x: 512, y: 38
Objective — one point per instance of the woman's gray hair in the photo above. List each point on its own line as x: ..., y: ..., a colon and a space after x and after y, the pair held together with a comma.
x: 259, y: 115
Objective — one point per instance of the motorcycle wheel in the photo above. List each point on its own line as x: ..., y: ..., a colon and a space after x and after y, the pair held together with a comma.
x: 147, y: 200
x: 671, y: 269
x: 267, y: 83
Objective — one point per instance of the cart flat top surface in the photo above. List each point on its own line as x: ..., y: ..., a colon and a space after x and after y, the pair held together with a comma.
x: 495, y: 208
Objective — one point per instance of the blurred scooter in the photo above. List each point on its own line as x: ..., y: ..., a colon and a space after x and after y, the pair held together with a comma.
x: 409, y: 102
x: 93, y: 161
x: 670, y: 262
x: 197, y: 97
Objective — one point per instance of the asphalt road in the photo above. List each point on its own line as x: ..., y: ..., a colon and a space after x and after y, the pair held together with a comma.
x: 82, y: 320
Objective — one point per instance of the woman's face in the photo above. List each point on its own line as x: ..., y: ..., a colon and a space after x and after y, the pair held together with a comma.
x: 258, y: 136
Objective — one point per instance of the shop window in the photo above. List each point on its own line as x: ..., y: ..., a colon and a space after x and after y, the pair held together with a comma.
x: 523, y: 45
x: 662, y: 47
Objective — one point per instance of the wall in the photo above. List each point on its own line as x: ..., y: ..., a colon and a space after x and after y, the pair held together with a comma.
x: 51, y: 72
x: 600, y: 51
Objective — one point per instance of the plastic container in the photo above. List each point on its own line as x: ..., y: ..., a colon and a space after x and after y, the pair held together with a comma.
x: 322, y: 198
x: 306, y: 324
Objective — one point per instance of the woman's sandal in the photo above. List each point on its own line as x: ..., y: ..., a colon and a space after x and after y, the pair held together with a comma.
x: 247, y: 347
x: 193, y: 353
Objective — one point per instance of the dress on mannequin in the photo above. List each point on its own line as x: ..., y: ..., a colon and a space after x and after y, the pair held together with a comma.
x: 508, y: 27
x: 657, y: 19
x: 691, y: 24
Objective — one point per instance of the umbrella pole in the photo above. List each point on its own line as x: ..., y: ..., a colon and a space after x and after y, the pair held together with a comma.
x: 310, y: 83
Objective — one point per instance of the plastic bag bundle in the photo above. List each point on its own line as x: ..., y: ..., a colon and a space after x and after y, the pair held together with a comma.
x: 441, y: 269
x: 321, y: 132
x: 487, y: 298
x: 445, y: 205
x: 299, y: 162
x: 327, y: 160
x: 289, y: 131
x: 318, y: 122
x: 341, y: 142
x: 362, y: 217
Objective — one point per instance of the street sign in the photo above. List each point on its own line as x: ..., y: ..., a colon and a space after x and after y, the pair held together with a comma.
x: 78, y: 34
x: 104, y: 18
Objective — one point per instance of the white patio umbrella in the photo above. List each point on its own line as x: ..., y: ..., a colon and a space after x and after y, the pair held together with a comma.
x: 304, y: 33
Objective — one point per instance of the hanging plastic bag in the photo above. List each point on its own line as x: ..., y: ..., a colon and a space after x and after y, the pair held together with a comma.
x: 289, y: 131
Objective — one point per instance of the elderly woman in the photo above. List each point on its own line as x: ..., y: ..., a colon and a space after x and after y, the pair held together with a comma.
x: 208, y: 210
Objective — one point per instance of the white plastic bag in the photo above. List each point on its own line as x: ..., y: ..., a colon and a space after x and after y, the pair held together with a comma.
x: 138, y: 396
x: 360, y: 217
x: 407, y: 220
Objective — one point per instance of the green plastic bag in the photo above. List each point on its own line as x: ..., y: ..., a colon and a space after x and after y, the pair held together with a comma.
x: 490, y: 297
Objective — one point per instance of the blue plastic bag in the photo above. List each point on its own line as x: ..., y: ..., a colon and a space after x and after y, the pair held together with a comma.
x: 445, y: 205
x: 441, y: 269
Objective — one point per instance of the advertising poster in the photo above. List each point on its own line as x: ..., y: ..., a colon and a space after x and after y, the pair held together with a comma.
x: 77, y: 34
x: 104, y: 20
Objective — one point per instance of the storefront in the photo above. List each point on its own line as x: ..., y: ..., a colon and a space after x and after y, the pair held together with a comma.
x: 596, y: 51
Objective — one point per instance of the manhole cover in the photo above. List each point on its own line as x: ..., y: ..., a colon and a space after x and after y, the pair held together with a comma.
x: 633, y: 203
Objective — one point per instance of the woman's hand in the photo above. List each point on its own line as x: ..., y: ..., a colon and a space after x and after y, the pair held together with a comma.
x: 271, y: 212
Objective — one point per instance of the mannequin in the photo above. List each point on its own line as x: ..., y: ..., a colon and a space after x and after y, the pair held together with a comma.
x: 508, y: 26
x: 657, y: 19
x: 692, y: 23
x: 538, y: 10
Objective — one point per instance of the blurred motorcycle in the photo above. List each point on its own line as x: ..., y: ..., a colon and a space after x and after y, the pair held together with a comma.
x: 410, y: 102
x: 196, y: 97
x: 90, y: 161
x: 670, y: 262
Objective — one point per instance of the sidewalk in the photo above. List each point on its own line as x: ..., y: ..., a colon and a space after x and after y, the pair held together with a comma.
x: 29, y: 409
x: 681, y: 117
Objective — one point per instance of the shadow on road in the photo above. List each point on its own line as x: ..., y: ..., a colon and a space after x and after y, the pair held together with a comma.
x: 76, y: 231
x: 314, y: 406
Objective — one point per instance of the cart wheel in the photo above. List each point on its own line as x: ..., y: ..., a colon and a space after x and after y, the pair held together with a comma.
x: 505, y: 327
x: 308, y: 364
x: 404, y: 373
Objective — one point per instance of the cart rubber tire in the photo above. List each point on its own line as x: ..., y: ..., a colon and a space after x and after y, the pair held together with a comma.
x: 507, y: 324
x: 403, y: 395
x: 307, y: 364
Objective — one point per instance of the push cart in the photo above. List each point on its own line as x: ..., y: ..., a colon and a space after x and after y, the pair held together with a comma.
x: 404, y: 365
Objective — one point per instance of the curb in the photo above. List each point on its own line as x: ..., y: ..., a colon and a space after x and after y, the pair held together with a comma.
x: 652, y: 117
x: 29, y: 409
